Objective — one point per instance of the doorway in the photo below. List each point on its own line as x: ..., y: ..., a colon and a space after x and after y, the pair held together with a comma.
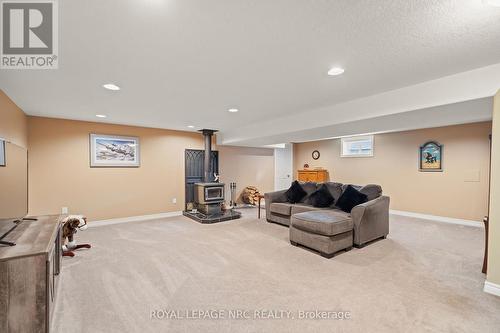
x: 283, y: 167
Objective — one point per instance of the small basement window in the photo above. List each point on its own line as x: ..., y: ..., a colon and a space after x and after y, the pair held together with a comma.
x: 357, y: 146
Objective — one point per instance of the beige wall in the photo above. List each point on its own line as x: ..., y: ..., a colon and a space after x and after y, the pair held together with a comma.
x: 247, y: 166
x: 13, y: 122
x: 455, y: 192
x: 13, y: 128
x: 60, y: 175
x: 14, y: 177
x: 494, y: 223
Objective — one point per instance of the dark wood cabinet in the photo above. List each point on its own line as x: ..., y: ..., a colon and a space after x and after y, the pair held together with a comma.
x: 29, y: 275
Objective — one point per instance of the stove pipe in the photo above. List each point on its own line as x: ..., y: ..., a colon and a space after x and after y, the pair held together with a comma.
x: 207, y: 173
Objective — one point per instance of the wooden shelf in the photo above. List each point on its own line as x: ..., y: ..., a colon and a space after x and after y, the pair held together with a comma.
x: 29, y: 275
x: 312, y: 175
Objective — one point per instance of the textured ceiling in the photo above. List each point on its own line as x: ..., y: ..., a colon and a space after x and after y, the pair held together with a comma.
x: 183, y: 62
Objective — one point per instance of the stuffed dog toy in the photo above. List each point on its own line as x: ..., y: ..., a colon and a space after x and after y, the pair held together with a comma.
x: 71, y: 224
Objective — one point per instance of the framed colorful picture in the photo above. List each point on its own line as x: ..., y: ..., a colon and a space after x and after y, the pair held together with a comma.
x: 431, y: 157
x: 114, y: 151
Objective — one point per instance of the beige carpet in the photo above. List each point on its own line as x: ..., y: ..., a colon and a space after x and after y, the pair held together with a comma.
x: 424, y: 278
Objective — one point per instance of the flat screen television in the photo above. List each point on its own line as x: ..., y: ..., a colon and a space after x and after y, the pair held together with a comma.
x: 13, y: 187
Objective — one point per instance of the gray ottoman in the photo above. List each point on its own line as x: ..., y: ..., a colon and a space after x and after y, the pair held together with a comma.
x: 325, y: 231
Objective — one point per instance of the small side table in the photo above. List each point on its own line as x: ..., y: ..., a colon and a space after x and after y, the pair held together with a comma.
x: 259, y: 199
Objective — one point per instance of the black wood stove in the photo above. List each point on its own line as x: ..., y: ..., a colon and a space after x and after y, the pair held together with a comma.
x: 209, y: 196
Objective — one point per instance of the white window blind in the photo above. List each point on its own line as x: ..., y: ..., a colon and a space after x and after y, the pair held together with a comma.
x: 357, y: 146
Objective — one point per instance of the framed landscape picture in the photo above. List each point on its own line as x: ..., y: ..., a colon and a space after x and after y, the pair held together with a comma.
x: 114, y: 151
x: 431, y: 157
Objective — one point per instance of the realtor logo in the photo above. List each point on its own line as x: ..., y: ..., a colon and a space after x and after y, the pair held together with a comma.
x: 29, y: 34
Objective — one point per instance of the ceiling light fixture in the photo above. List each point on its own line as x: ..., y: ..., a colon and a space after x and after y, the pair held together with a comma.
x: 190, y: 126
x: 233, y: 110
x: 111, y: 86
x: 494, y: 3
x: 100, y: 115
x: 335, y: 71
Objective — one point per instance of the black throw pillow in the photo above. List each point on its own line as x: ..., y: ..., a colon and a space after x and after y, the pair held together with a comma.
x: 350, y: 198
x: 295, y: 193
x: 321, y: 197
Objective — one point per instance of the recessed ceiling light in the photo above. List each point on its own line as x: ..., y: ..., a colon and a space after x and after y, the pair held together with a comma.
x: 495, y: 3
x: 100, y: 115
x: 190, y: 126
x: 335, y: 71
x: 111, y: 86
x: 233, y: 110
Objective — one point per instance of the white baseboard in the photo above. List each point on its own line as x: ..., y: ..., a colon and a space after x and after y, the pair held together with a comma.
x: 491, y: 288
x: 133, y: 219
x: 443, y: 219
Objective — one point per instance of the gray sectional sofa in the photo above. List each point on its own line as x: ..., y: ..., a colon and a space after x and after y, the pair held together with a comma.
x: 331, y: 229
